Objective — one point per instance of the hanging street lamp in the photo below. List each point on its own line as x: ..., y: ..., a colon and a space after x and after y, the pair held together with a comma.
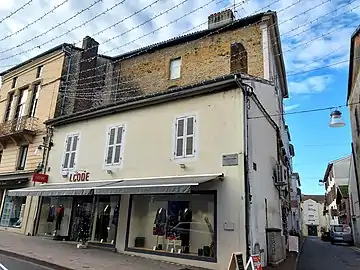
x: 336, y: 119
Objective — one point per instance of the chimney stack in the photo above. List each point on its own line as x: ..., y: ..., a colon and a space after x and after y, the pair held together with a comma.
x: 219, y: 19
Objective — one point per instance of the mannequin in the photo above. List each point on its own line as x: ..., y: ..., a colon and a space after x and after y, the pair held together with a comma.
x: 184, y: 226
x: 51, y: 214
x: 60, y: 215
x: 160, y: 222
x: 116, y: 215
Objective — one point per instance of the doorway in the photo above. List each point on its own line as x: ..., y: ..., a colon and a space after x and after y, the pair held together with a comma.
x: 81, y: 218
x: 312, y: 230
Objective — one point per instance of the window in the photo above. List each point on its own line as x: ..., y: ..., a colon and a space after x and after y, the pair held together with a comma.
x: 14, y: 82
x: 176, y: 224
x: 238, y: 58
x: 13, y: 212
x: 23, y: 150
x: 114, y: 146
x: 71, y: 143
x: 34, y: 100
x: 8, y: 106
x: 175, y: 68
x: 185, y: 137
x: 20, y: 108
x: 39, y: 71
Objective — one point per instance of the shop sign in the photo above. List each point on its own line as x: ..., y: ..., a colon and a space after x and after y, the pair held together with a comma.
x: 79, y: 176
x: 40, y: 178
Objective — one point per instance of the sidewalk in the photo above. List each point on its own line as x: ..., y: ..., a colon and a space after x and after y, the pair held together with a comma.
x: 66, y: 255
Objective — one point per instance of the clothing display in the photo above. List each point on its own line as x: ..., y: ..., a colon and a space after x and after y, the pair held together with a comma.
x: 60, y: 215
x: 105, y: 222
x: 184, y: 227
x: 51, y: 214
x: 160, y: 222
x: 116, y: 216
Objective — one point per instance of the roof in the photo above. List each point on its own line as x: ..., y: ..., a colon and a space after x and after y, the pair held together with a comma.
x: 208, y: 32
x: 54, y: 49
x: 351, y: 62
x: 223, y: 83
x: 316, y: 198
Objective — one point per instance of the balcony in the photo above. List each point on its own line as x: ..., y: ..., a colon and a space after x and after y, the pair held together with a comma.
x: 18, y: 130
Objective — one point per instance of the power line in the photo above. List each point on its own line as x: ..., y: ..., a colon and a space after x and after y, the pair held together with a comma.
x: 35, y: 21
x: 16, y: 11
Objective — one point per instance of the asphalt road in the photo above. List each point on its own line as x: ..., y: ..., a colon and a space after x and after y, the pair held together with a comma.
x: 319, y: 255
x: 10, y: 263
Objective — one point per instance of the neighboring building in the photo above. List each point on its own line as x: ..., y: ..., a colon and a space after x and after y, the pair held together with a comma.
x: 343, y: 204
x: 295, y: 220
x: 312, y: 217
x: 353, y: 100
x: 203, y: 131
x: 337, y: 174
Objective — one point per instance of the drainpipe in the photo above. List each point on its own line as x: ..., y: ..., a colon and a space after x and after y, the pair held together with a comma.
x: 44, y: 163
x: 246, y: 168
x: 355, y: 171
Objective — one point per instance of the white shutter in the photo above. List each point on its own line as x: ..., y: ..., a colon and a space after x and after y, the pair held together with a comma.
x: 71, y: 145
x: 175, y: 68
x: 185, y: 137
x: 114, y: 146
x: 179, y: 137
x: 189, y: 142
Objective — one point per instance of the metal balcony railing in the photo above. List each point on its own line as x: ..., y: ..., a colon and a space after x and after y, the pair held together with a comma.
x: 23, y: 124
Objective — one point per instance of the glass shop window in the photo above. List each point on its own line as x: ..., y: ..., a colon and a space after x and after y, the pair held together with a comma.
x: 55, y: 213
x: 13, y: 212
x: 106, y: 219
x: 179, y: 224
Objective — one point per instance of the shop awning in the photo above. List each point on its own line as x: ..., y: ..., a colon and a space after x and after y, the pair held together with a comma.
x: 159, y: 185
x: 61, y: 189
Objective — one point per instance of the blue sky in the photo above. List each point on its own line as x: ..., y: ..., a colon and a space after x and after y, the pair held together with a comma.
x: 314, y: 33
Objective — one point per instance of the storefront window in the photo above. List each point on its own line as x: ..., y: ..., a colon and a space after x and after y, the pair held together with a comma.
x: 106, y: 219
x: 13, y: 212
x: 179, y: 224
x: 55, y: 216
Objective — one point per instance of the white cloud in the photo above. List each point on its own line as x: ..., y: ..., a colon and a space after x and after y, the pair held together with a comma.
x: 314, y: 84
x: 291, y: 107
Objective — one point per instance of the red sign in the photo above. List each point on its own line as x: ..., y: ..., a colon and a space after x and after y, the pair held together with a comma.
x: 79, y: 177
x: 257, y: 262
x: 40, y: 178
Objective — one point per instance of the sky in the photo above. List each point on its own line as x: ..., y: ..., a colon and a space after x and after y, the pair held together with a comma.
x: 315, y: 37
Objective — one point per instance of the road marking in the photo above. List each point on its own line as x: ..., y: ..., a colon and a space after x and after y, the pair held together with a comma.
x: 356, y: 249
x: 3, y: 267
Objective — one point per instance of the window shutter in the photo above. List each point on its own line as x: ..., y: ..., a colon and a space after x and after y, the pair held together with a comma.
x: 110, y: 146
x: 119, y: 136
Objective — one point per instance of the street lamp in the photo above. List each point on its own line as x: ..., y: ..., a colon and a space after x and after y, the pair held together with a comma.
x: 336, y: 119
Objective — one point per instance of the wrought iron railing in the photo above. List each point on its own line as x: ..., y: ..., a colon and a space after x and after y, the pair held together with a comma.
x: 19, y: 125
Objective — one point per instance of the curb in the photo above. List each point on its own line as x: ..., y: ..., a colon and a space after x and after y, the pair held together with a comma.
x: 33, y: 260
x: 299, y: 253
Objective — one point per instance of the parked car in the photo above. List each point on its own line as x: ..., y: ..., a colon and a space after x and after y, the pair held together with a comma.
x: 341, y: 234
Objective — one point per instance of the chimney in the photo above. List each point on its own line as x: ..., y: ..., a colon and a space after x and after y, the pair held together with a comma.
x: 90, y: 43
x: 219, y: 19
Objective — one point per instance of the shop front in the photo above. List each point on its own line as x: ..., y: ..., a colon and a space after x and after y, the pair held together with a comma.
x: 165, y: 216
x: 13, y: 208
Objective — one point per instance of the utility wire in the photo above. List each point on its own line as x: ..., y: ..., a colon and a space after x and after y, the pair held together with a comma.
x: 16, y: 11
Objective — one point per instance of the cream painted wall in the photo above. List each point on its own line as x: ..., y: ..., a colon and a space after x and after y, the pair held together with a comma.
x: 148, y: 151
x: 312, y: 214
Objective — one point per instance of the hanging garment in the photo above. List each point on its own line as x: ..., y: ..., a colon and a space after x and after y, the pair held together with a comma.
x: 51, y: 214
x: 160, y: 217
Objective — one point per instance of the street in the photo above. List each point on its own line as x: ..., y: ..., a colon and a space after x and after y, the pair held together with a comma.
x: 317, y: 255
x: 11, y: 263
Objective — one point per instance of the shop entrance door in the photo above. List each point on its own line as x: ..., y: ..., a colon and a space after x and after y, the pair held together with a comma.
x: 312, y: 230
x: 81, y: 218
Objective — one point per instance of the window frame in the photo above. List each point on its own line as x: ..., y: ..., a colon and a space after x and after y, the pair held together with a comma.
x: 121, y: 144
x: 195, y: 136
x: 21, y: 158
x: 14, y: 82
x: 39, y: 71
x: 68, y: 135
x: 34, y: 99
x: 173, y: 60
x: 9, y: 105
x: 176, y: 255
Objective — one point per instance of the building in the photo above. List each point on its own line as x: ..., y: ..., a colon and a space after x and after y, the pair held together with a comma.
x: 295, y: 219
x: 313, y: 220
x: 33, y: 92
x: 337, y: 174
x: 202, y: 133
x: 353, y: 101
x: 343, y: 204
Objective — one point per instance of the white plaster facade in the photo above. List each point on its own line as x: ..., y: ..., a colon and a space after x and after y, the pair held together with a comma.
x: 354, y: 204
x: 312, y: 214
x: 148, y: 152
x: 295, y: 220
x: 337, y: 174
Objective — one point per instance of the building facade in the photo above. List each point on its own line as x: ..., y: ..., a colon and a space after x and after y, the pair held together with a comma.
x: 189, y: 187
x: 295, y: 219
x: 337, y: 174
x: 313, y: 220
